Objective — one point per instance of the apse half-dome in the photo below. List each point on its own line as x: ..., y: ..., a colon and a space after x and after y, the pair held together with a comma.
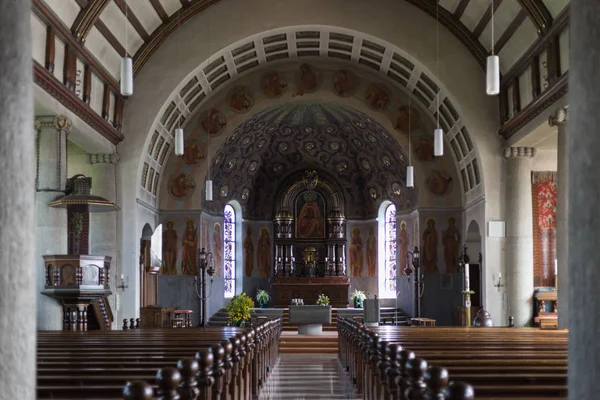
x: 367, y: 162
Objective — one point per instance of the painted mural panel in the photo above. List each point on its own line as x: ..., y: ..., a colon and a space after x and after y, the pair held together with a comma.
x: 170, y: 249
x: 310, y: 216
x: 248, y: 253
x: 217, y: 249
x: 429, y: 247
x: 356, y: 253
x: 189, y: 249
x: 451, y: 241
x: 403, y: 243
x: 371, y: 253
x: 264, y: 259
x: 544, y: 227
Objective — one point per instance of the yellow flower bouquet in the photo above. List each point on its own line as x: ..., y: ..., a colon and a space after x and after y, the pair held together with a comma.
x: 239, y: 308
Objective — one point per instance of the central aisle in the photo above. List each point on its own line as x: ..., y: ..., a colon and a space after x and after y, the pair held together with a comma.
x: 307, y: 377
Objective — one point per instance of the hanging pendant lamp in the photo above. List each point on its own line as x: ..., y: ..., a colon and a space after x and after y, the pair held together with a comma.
x: 438, y: 133
x: 410, y: 176
x: 126, y: 66
x: 209, y: 189
x: 179, y: 142
x: 492, y: 81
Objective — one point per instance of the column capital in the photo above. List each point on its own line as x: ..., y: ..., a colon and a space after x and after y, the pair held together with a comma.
x: 58, y: 122
x: 560, y: 116
x: 112, y: 158
x: 516, y: 152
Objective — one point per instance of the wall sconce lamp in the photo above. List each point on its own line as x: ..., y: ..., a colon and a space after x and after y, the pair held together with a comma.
x: 206, y: 267
x: 498, y: 283
x: 124, y: 284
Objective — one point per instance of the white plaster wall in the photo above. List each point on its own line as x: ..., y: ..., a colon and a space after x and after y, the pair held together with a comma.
x: 545, y: 160
x: 227, y: 21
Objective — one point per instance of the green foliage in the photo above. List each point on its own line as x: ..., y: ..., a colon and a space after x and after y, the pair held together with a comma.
x: 323, y: 300
x: 468, y: 292
x: 239, y: 308
x: 262, y: 296
x: 358, y: 293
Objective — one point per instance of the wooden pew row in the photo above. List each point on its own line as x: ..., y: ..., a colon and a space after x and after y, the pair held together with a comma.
x: 494, y: 361
x: 223, y: 363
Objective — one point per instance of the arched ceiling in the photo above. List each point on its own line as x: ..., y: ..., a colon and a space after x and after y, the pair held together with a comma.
x: 101, y: 25
x: 367, y: 162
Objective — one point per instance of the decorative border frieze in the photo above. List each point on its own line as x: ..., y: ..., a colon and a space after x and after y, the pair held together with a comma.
x: 104, y: 158
x: 514, y: 152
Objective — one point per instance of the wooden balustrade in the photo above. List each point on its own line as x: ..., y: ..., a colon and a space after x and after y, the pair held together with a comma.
x: 498, y: 363
x: 206, y: 363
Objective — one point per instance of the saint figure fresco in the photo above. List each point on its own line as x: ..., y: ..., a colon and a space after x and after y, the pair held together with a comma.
x: 264, y: 253
x: 429, y: 248
x: 240, y: 99
x: 356, y: 253
x: 371, y: 254
x: 169, y: 242
x: 308, y: 81
x: 191, y: 153
x: 343, y: 83
x: 189, y: 249
x: 451, y: 243
x: 248, y: 253
x: 310, y: 222
x: 403, y: 243
x: 182, y: 187
x: 272, y: 85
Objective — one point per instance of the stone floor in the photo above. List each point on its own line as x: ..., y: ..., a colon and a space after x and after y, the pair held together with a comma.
x: 307, y: 377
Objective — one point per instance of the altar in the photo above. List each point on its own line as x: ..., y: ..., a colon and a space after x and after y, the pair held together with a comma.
x: 287, y: 288
x: 310, y: 241
x: 310, y: 319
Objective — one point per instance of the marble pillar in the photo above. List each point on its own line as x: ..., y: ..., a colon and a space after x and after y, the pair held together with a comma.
x: 103, y: 226
x: 17, y: 179
x: 583, y: 215
x: 51, y: 222
x: 559, y: 119
x: 519, y: 233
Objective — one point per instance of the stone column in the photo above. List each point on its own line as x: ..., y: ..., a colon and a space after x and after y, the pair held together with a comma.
x: 51, y: 222
x: 583, y: 216
x: 17, y: 179
x: 103, y: 226
x: 519, y: 233
x: 559, y: 119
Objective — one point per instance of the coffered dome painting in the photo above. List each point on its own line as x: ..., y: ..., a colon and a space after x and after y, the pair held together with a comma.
x: 364, y: 158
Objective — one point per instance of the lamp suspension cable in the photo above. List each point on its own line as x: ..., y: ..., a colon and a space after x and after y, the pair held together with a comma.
x: 492, y: 76
x: 209, y: 183
x: 179, y: 143
x: 126, y: 63
x: 438, y: 133
x: 410, y: 174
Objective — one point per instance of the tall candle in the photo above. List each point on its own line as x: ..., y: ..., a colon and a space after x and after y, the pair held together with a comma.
x: 467, y: 282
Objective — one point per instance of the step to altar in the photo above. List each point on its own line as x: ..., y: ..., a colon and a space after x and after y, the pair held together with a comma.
x: 292, y: 343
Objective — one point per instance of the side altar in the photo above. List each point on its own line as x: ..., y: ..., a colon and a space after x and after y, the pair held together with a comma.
x: 310, y: 241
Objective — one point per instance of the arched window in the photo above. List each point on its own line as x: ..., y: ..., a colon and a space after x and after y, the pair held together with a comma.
x: 387, y: 252
x: 229, y: 232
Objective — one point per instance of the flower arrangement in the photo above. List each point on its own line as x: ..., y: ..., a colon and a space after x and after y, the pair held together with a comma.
x: 357, y: 297
x: 239, y: 308
x: 323, y: 300
x: 263, y: 297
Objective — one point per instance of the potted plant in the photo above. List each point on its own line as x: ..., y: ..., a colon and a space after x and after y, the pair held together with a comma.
x: 263, y: 297
x: 323, y: 300
x: 357, y: 297
x: 239, y: 309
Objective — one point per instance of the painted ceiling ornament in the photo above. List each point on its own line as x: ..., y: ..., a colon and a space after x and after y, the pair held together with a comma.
x: 181, y: 186
x: 272, y: 85
x: 377, y: 97
x: 424, y: 148
x: 240, y: 99
x: 438, y: 183
x: 213, y: 121
x: 307, y: 80
x: 402, y: 119
x: 310, y: 179
x: 344, y: 83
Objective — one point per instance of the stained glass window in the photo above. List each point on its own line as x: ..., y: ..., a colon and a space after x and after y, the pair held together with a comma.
x: 387, y: 278
x: 229, y: 248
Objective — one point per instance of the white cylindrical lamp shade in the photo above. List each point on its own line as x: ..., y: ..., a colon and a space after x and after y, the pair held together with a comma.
x: 179, y: 142
x: 492, y: 86
x: 410, y: 176
x: 209, y: 190
x: 438, y: 142
x: 126, y: 76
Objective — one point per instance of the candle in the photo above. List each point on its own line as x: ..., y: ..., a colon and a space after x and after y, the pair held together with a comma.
x: 499, y: 275
x: 467, y: 283
x: 555, y: 266
x: 122, y: 277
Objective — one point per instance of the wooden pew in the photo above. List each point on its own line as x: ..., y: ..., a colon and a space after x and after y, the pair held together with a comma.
x: 224, y: 363
x: 500, y: 363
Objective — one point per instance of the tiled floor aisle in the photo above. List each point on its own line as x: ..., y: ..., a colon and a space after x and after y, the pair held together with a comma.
x: 307, y: 377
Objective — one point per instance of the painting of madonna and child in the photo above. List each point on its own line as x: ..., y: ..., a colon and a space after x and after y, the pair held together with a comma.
x: 310, y: 216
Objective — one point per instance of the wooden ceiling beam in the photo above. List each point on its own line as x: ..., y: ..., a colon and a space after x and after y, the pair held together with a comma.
x: 108, y: 35
x: 538, y: 13
x: 160, y: 11
x: 87, y: 17
x: 485, y: 19
x: 460, y: 9
x: 510, y: 31
x: 133, y: 20
x: 41, y: 9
